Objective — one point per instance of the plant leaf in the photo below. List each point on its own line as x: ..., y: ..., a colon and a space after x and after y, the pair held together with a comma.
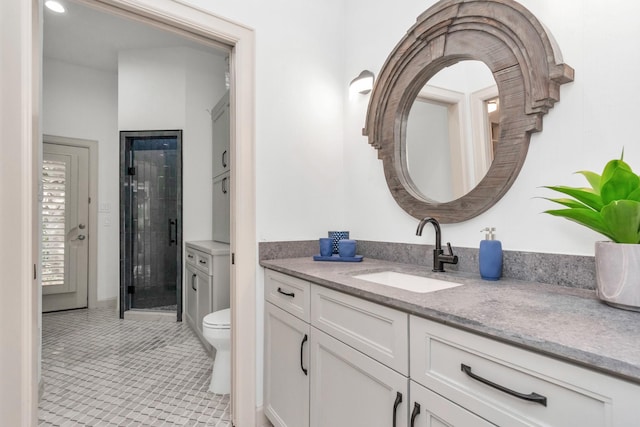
x: 593, y: 178
x: 611, y: 166
x: 622, y: 218
x: 587, y: 217
x: 583, y: 195
x: 570, y: 203
x: 620, y: 184
x: 635, y: 195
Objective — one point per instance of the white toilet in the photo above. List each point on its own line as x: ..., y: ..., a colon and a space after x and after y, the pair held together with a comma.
x: 216, y: 328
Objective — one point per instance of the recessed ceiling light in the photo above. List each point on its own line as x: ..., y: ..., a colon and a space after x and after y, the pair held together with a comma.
x: 54, y: 6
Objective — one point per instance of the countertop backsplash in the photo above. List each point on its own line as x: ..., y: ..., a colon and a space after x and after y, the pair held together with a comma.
x: 574, y: 271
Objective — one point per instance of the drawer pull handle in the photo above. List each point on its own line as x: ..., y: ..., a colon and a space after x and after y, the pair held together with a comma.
x: 304, y: 340
x: 289, y: 294
x: 414, y: 414
x: 531, y: 397
x: 202, y: 262
x: 395, y: 407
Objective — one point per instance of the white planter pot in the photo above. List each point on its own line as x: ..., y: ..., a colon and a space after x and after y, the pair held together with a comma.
x: 618, y: 274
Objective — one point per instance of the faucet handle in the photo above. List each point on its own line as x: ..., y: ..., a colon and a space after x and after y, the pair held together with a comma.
x: 450, y: 250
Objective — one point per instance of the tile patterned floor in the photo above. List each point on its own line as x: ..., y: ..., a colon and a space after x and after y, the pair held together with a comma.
x: 99, y: 370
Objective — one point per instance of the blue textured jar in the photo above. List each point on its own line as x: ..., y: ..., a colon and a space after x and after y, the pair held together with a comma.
x: 490, y: 256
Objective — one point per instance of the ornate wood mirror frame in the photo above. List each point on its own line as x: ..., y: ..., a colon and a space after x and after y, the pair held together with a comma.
x: 528, y: 70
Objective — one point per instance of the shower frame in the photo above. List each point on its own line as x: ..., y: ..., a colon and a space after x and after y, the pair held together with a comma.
x: 126, y: 221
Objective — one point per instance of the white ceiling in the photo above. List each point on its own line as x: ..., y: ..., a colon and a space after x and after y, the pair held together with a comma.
x: 92, y: 38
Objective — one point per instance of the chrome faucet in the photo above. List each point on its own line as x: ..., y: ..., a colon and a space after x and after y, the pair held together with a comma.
x: 439, y: 257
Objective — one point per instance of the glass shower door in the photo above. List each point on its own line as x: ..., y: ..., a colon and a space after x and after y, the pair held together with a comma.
x: 151, y: 237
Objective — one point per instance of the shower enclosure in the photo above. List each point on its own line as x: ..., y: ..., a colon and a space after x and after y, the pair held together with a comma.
x: 151, y: 221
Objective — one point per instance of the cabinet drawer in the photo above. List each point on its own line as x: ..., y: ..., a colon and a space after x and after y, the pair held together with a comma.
x: 379, y: 332
x: 289, y: 293
x: 574, y: 396
x: 205, y: 262
x: 191, y: 256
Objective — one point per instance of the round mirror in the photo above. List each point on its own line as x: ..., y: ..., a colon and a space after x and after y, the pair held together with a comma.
x: 527, y: 67
x: 451, y: 130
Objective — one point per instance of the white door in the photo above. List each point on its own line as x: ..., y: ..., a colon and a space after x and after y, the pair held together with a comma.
x: 65, y: 215
x: 286, y: 368
x: 221, y: 208
x: 429, y: 409
x: 351, y: 389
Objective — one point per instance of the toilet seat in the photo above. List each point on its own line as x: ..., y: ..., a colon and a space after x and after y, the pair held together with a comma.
x: 218, y: 319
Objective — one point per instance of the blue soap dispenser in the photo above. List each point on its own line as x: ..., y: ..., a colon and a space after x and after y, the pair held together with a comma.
x: 490, y: 256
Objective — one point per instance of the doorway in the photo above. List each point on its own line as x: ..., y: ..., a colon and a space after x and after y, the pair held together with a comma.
x: 65, y: 232
x: 151, y: 221
x: 25, y: 89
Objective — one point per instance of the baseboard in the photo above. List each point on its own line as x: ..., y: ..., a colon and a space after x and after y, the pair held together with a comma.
x: 261, y: 418
x: 107, y: 303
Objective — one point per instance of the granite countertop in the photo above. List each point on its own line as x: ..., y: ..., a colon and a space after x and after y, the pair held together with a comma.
x: 210, y: 246
x: 567, y: 323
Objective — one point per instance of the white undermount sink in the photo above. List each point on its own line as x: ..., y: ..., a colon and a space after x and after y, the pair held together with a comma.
x: 407, y: 282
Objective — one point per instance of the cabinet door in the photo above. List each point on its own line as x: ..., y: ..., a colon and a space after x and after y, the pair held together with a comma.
x: 191, y: 296
x: 203, y: 286
x: 286, y: 364
x: 221, y: 208
x: 429, y: 409
x: 351, y: 389
x: 221, y: 135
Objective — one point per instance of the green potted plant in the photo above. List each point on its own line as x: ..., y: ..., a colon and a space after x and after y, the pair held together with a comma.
x: 611, y: 206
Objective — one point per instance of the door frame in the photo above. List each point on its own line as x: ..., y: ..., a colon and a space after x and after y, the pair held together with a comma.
x: 92, y: 267
x: 21, y: 103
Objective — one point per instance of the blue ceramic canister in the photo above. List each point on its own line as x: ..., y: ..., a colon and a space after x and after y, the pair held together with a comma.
x: 347, y: 248
x: 337, y: 236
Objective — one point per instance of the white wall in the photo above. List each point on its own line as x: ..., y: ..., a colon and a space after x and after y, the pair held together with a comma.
x: 300, y: 89
x: 81, y: 102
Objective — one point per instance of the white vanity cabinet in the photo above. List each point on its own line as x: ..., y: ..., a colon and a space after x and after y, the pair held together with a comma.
x: 315, y: 373
x: 333, y: 359
x: 509, y: 386
x: 206, y: 281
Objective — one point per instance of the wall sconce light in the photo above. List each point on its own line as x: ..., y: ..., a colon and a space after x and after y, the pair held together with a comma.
x: 362, y: 84
x: 492, y: 105
x: 55, y: 6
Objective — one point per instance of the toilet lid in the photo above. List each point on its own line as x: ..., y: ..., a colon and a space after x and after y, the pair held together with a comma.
x: 218, y: 319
